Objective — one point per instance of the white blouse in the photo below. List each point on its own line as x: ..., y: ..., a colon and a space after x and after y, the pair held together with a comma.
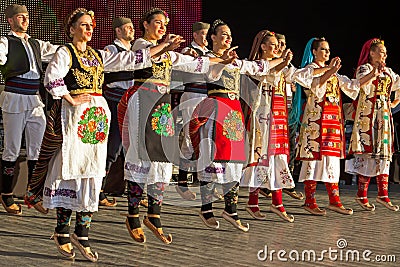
x: 179, y: 61
x: 60, y: 65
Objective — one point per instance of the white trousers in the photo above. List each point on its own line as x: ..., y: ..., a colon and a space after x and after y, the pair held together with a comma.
x: 33, y: 122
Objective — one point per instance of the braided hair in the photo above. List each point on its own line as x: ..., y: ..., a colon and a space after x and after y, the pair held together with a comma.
x: 73, y: 17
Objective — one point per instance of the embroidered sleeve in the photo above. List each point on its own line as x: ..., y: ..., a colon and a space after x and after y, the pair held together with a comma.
x: 255, y: 68
x: 303, y: 76
x: 363, y: 70
x: 57, y: 88
x: 126, y: 60
x: 188, y: 63
x: 55, y: 73
x: 317, y: 89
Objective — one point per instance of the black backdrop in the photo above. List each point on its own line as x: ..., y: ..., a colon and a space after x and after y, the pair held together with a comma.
x: 345, y: 24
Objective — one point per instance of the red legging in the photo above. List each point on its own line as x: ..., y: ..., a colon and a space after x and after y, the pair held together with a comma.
x: 382, y: 182
x: 253, y: 199
x: 310, y: 187
x: 276, y: 199
x: 363, y: 183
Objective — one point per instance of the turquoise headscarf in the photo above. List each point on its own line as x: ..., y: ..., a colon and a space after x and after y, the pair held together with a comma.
x: 298, y: 101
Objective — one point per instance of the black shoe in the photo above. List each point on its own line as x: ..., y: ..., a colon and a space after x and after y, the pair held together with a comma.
x: 265, y: 192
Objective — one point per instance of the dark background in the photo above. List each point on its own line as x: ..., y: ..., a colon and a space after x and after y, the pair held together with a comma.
x: 345, y: 24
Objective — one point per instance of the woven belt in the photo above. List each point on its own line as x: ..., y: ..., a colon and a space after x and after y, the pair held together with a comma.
x: 223, y: 93
x: 22, y: 86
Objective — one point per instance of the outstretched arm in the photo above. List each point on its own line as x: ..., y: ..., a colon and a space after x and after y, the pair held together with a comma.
x: 171, y: 42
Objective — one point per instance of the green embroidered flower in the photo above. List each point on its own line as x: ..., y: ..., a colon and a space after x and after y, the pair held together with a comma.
x: 162, y: 122
x: 93, y: 126
x: 233, y: 127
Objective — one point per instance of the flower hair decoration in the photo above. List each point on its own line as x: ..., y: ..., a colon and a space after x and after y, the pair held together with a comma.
x: 166, y: 18
x: 378, y: 41
x: 91, y: 14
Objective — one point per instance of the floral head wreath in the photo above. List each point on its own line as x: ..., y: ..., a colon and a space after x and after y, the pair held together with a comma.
x: 91, y: 14
x: 74, y: 16
x: 166, y: 17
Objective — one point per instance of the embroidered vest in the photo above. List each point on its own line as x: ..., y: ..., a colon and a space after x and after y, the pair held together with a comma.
x: 159, y: 72
x: 86, y: 73
x: 229, y: 84
x: 199, y: 52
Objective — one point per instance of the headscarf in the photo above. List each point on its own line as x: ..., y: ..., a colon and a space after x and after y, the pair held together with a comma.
x: 364, y: 55
x: 297, y: 101
x: 365, y: 52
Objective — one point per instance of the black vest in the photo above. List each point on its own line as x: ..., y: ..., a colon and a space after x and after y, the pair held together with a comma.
x: 17, y: 58
x: 198, y: 51
x: 111, y: 77
x: 191, y: 81
x: 159, y: 72
x: 76, y: 71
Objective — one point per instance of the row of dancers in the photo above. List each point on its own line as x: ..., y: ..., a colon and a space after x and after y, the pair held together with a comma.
x: 238, y: 122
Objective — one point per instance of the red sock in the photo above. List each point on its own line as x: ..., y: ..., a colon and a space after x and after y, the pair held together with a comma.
x: 253, y: 199
x: 310, y: 187
x: 277, y: 200
x: 333, y: 193
x: 382, y: 181
x: 363, y: 182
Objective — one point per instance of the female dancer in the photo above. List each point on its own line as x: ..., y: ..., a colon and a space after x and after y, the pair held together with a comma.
x: 371, y: 141
x: 218, y: 124
x: 147, y: 125
x: 79, y: 122
x: 268, y: 127
x: 321, y: 141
